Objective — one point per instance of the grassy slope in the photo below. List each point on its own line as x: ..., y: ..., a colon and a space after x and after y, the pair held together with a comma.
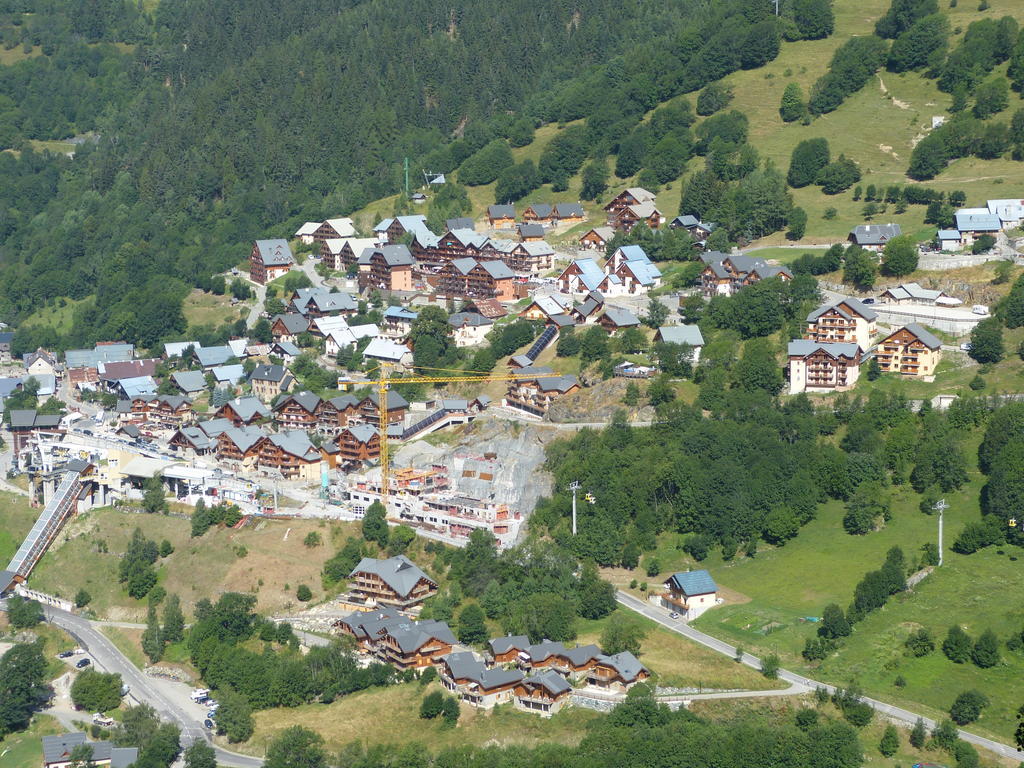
x: 24, y: 749
x: 768, y: 597
x: 57, y: 317
x: 877, y: 127
x: 16, y: 519
x: 203, y: 308
x: 391, y: 715
x: 198, y: 568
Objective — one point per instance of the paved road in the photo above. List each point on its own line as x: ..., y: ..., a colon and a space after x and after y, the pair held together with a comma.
x: 891, y: 712
x: 143, y: 689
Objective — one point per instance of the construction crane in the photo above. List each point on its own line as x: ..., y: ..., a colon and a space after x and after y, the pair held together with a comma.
x: 442, y: 376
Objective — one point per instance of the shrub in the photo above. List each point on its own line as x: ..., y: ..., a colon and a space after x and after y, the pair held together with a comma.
x: 303, y: 593
x: 920, y: 643
x: 967, y: 707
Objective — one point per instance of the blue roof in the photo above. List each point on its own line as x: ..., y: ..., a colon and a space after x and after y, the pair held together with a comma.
x: 978, y: 222
x: 633, y: 253
x: 591, y: 274
x: 948, y: 234
x: 400, y: 313
x: 102, y: 353
x: 694, y: 583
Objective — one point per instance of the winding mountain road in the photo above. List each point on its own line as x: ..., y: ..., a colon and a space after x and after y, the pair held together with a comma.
x: 903, y: 716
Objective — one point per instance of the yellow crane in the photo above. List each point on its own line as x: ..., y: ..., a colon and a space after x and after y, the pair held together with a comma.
x: 442, y: 376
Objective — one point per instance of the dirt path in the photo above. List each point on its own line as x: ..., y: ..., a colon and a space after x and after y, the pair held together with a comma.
x: 885, y: 92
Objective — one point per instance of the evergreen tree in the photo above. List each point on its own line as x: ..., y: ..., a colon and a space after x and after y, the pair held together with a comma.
x: 957, y: 646
x: 806, y: 161
x: 174, y: 620
x: 918, y: 734
x: 833, y: 623
x: 152, y: 638
x: 985, y: 653
x: 471, y: 629
x: 793, y: 106
x: 890, y: 742
x: 987, y: 341
x: 797, y: 224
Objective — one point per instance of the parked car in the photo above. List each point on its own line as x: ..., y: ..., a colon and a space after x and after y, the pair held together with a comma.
x: 78, y: 651
x: 208, y: 723
x: 82, y: 663
x: 65, y: 654
x: 979, y: 309
x: 868, y: 300
x: 673, y: 615
x: 966, y: 346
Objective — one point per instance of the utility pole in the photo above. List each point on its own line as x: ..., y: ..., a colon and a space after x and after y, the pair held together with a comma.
x: 776, y: 7
x: 406, y: 164
x: 941, y: 506
x: 574, y: 486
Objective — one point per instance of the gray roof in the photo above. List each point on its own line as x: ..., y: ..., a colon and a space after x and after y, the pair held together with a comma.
x: 505, y: 644
x: 626, y: 664
x: 131, y: 430
x: 211, y: 356
x: 543, y: 210
x: 244, y: 437
x: 274, y: 253
x: 978, y: 222
x: 395, y: 255
x: 190, y: 381
x: 6, y: 580
x: 461, y: 319
x: 463, y: 222
x: 398, y: 572
x: 287, y: 348
x: 805, y: 347
x: 682, y: 334
x: 501, y: 211
x: 497, y: 269
x: 395, y: 400
x: 412, y: 636
x: 296, y: 442
x: 308, y: 401
x: 861, y: 309
x: 464, y: 665
x: 565, y: 210
x: 102, y: 353
x: 213, y: 427
x: 248, y: 408
x: 31, y: 418
x: 621, y: 317
x: 581, y: 654
x: 343, y: 402
x: 231, y: 373
x: 275, y: 373
x: 549, y: 679
x: 363, y: 433
x: 875, y: 234
x: 294, y: 323
x: 58, y: 749
x: 691, y: 583
x: 324, y: 300
x: 197, y: 438
x: 928, y: 338
x: 6, y: 337
x: 913, y: 291
x: 544, y: 649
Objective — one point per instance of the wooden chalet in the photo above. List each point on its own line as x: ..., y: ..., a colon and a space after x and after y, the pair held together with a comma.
x: 910, y: 351
x: 846, y: 320
x: 356, y: 443
x: 240, y: 444
x: 538, y: 213
x: 333, y: 229
x: 341, y: 254
x: 243, y: 411
x: 529, y: 233
x: 166, y: 411
x: 415, y: 645
x: 544, y: 693
x: 619, y: 672
x: 291, y: 454
x: 472, y: 279
x: 472, y: 682
x: 269, y: 260
x: 397, y: 407
x: 288, y: 327
x: 501, y: 216
x: 506, y: 650
x: 597, y: 238
x: 396, y: 582
x: 568, y: 213
x: 387, y: 268
x: 690, y: 593
x: 301, y: 410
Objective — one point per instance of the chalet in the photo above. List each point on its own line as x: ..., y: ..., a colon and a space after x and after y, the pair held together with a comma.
x: 910, y: 351
x: 415, y: 644
x: 545, y: 308
x: 568, y: 213
x: 434, y: 254
x: 211, y: 357
x: 535, y: 394
x: 57, y: 752
x: 357, y: 443
x: 299, y: 410
x: 129, y: 389
x: 304, y: 234
x: 349, y: 336
x: 619, y: 672
x: 472, y: 279
x: 628, y: 217
x: 631, y: 196
x: 590, y: 310
x: 545, y: 693
x: 5, y: 347
x: 319, y: 302
x: 193, y: 440
x: 226, y: 376
x: 529, y: 232
x: 538, y: 213
x: 288, y: 327
x: 690, y: 593
x: 164, y: 411
x: 241, y: 445
x: 469, y: 328
x: 104, y: 352
x: 529, y: 258
x: 387, y: 351
x: 387, y: 268
x: 913, y: 293
x: 489, y: 308
x: 398, y: 322
x: 617, y: 318
x: 597, y: 238
x: 724, y: 274
x: 949, y: 240
x: 292, y: 455
x: 396, y: 582
x: 40, y: 362
x: 393, y: 229
x: 25, y: 423
x: 269, y: 260
x: 334, y: 229
x: 846, y: 321
x: 243, y: 411
x: 369, y: 410
x: 346, y: 409
x: 585, y: 276
x: 506, y: 650
x: 286, y: 350
x: 110, y: 374
x: 873, y: 237
x: 189, y: 382
x: 368, y: 627
x: 340, y: 254
x: 764, y: 272
x: 1010, y: 212
x: 501, y: 216
x: 699, y: 230
x: 633, y: 267
x: 269, y: 381
x: 823, y: 367
x: 575, y: 662
x: 972, y: 223
x: 182, y: 349
x: 461, y: 222
x: 689, y: 335
x: 466, y: 676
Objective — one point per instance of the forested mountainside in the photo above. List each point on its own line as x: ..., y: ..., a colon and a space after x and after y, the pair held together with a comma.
x: 210, y: 123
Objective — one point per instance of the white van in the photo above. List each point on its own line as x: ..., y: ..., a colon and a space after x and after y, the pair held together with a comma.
x: 979, y: 309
